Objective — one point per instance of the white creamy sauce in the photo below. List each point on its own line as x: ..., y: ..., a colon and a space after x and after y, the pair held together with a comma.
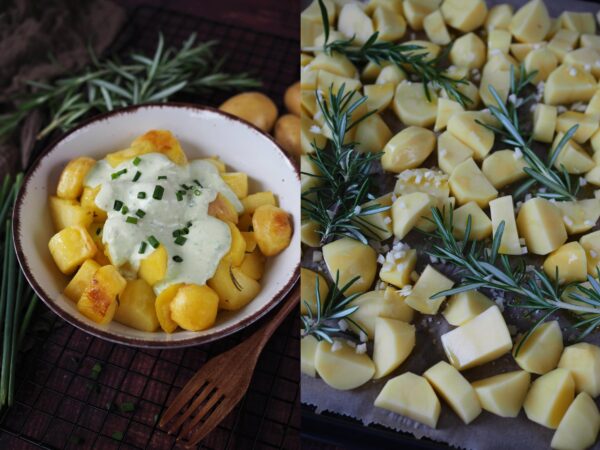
x: 208, y: 239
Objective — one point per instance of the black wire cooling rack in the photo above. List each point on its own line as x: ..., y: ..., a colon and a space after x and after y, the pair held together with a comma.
x: 77, y: 391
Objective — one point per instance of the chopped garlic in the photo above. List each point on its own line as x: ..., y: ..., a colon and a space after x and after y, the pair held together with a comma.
x: 362, y: 348
x: 337, y: 345
x: 317, y: 256
x: 380, y: 259
x: 518, y: 153
x: 573, y: 71
x: 593, y: 254
x: 567, y: 220
x: 342, y: 325
x: 582, y: 181
x: 387, y: 220
x: 363, y: 336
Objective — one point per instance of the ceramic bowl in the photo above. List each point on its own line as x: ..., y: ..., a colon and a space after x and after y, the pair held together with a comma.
x: 202, y: 132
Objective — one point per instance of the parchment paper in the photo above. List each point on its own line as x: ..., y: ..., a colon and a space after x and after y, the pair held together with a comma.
x: 486, y: 432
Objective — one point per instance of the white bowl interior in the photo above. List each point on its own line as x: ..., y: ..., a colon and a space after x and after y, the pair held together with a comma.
x: 202, y: 133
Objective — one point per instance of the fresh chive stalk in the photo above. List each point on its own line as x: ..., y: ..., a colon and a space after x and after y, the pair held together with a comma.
x: 153, y: 242
x: 158, y: 192
x: 137, y: 176
x: 137, y: 160
x: 117, y: 174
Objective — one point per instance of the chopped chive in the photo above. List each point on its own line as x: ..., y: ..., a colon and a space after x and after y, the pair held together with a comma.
x: 180, y: 240
x: 127, y: 407
x: 124, y: 210
x: 131, y: 219
x: 186, y: 187
x: 96, y: 371
x: 98, y: 231
x: 162, y: 177
x: 142, y: 249
x: 116, y: 175
x: 141, y: 195
x: 189, y: 224
x: 140, y: 213
x: 117, y: 435
x: 198, y: 183
x: 179, y: 195
x: 177, y: 258
x: 158, y: 192
x: 176, y: 233
x: 197, y: 192
x: 153, y: 242
x: 137, y: 160
x: 185, y: 230
x: 118, y: 205
x: 137, y: 176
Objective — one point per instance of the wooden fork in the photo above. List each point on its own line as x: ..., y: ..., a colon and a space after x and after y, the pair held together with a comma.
x: 221, y: 383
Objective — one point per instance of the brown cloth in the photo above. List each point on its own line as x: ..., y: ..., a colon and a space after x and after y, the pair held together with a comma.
x: 40, y: 40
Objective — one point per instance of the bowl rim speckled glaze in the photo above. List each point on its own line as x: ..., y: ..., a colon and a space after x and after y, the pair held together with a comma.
x: 98, y: 330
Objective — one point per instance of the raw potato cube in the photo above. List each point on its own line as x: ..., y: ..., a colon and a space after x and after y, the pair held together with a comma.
x: 468, y: 51
x: 394, y: 306
x: 503, y: 167
x: 372, y: 134
x: 499, y: 17
x: 253, y: 264
x: 308, y: 290
x: 390, y: 26
x: 161, y: 141
x: 429, y: 181
x: 391, y: 74
x: 81, y: 279
x: 136, y: 306
x: 70, y: 247
x: 153, y: 267
x: 415, y: 14
x: 412, y: 106
x: 549, y: 397
x: 309, y: 233
x: 353, y: 22
x: 392, y: 5
x: 446, y: 108
x: 540, y: 224
x: 341, y: 367
x: 541, y: 351
x: 442, y: 204
x: 569, y: 85
x: 464, y: 15
x: 308, y: 136
x: 591, y: 243
x: 95, y: 231
x: 70, y: 183
x: 380, y: 224
x: 370, y: 305
x: 563, y: 42
x: 590, y: 40
x: 464, y: 126
x: 412, y: 396
x: 394, y: 341
x: 223, y: 209
x: 99, y: 299
x: 570, y: 260
x: 481, y: 225
x: 573, y: 157
x: 498, y: 41
x: 482, y: 339
x: 429, y: 283
x: 544, y: 122
x: 371, y: 71
x: 502, y: 210
x: 309, y: 30
x: 463, y: 306
x: 593, y: 106
x: 579, y: 427
x: 398, y: 272
x: 335, y: 63
x: 531, y: 22
x: 503, y: 394
x: 543, y: 60
x: 587, y: 124
x: 234, y: 288
x: 256, y: 200
x: 455, y: 390
x: 67, y: 213
x: 379, y: 96
x: 308, y: 348
x: 194, y: 307
x: 583, y: 361
x: 468, y: 183
x: 581, y: 215
x: 499, y: 79
x: 520, y: 51
x: 584, y: 59
x: 272, y: 229
x: 351, y: 259
x: 88, y: 201
x: 451, y: 152
x: 582, y: 22
x: 307, y: 166
x: 408, y: 209
x: 238, y: 182
x: 162, y: 305
x: 469, y: 90
x: 435, y: 28
x: 313, y: 11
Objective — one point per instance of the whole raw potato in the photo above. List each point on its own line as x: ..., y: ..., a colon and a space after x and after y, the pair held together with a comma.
x: 292, y: 98
x: 287, y: 134
x: 254, y: 107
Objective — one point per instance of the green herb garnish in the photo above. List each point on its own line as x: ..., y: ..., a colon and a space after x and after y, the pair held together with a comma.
x: 117, y: 205
x: 142, y: 249
x: 141, y: 195
x: 132, y: 220
x: 162, y: 177
x: 126, y: 407
x: 153, y: 242
x: 117, y: 174
x: 96, y: 371
x: 179, y: 195
x: 177, y: 259
x: 180, y: 240
x: 137, y: 176
x: 137, y: 160
x: 140, y: 213
x: 158, y: 192
x: 124, y: 210
x: 117, y: 435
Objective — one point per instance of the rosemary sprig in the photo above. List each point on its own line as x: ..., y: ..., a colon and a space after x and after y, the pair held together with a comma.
x: 402, y: 55
x: 557, y: 183
x: 110, y: 83
x: 343, y: 174
x: 323, y: 323
x: 482, y: 268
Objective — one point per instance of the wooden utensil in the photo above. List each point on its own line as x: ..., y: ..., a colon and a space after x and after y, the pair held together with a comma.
x: 221, y: 383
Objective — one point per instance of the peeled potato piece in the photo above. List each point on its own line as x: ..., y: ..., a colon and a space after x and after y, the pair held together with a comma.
x: 429, y: 283
x: 499, y: 17
x: 570, y: 260
x: 531, y: 22
x: 308, y: 349
x: 451, y: 151
x: 481, y: 225
x: 464, y: 126
x: 540, y: 224
x: 351, y: 258
x: 194, y: 307
x: 408, y: 149
x: 463, y: 306
x: 579, y: 427
x: 394, y: 341
x: 308, y: 289
x: 549, y: 397
x: 582, y: 360
x: 341, y: 367
x: 412, y: 106
x: 541, y: 351
x: 503, y: 394
x: 591, y: 243
x: 502, y: 210
x: 569, y: 85
x: 408, y: 209
x: 379, y: 303
x: 468, y: 183
x: 254, y: 107
x: 503, y: 167
x: 468, y: 51
x: 163, y: 309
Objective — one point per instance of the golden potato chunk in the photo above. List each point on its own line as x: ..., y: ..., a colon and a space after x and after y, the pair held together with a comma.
x: 549, y: 397
x: 541, y: 351
x: 272, y: 229
x: 237, y: 182
x: 238, y: 246
x: 67, y: 213
x: 468, y: 183
x: 254, y: 107
x: 136, y: 306
x: 162, y: 305
x: 81, y: 279
x: 194, y: 307
x: 234, y: 288
x: 159, y: 141
x: 153, y: 267
x: 99, y: 299
x: 256, y: 200
x: 70, y: 183
x: 222, y: 209
x: 253, y: 264
x: 70, y: 247
x: 88, y: 201
x: 481, y: 225
x: 540, y: 224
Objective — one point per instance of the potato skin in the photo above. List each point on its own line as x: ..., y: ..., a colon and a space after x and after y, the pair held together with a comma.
x: 254, y: 107
x: 292, y: 99
x: 272, y: 229
x: 287, y: 134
